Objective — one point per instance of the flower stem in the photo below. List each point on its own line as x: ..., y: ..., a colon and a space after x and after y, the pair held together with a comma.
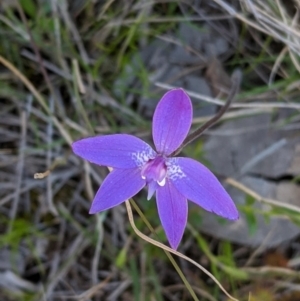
x: 177, y: 268
x: 236, y: 81
x: 169, y: 250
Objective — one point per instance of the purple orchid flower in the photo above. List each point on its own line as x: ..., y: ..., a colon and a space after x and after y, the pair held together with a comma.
x: 174, y: 179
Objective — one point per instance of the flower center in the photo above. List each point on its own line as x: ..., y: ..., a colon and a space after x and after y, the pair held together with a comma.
x: 154, y: 172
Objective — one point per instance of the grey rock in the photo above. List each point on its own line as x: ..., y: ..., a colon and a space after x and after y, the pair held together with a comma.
x: 254, y: 152
x: 271, y: 232
x: 242, y: 140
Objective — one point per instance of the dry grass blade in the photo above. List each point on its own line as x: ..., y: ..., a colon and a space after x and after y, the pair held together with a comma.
x: 265, y: 22
x: 38, y: 96
x: 268, y: 105
x: 94, y: 289
x: 259, y: 198
x: 20, y: 166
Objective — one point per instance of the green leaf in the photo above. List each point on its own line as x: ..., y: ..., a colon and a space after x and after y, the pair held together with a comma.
x: 250, y: 200
x: 121, y: 258
x: 251, y: 221
x: 29, y: 7
x: 235, y: 272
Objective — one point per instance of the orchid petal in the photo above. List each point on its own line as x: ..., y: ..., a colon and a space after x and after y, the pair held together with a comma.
x: 118, y: 186
x: 173, y: 211
x: 198, y: 184
x: 171, y: 121
x: 117, y: 151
